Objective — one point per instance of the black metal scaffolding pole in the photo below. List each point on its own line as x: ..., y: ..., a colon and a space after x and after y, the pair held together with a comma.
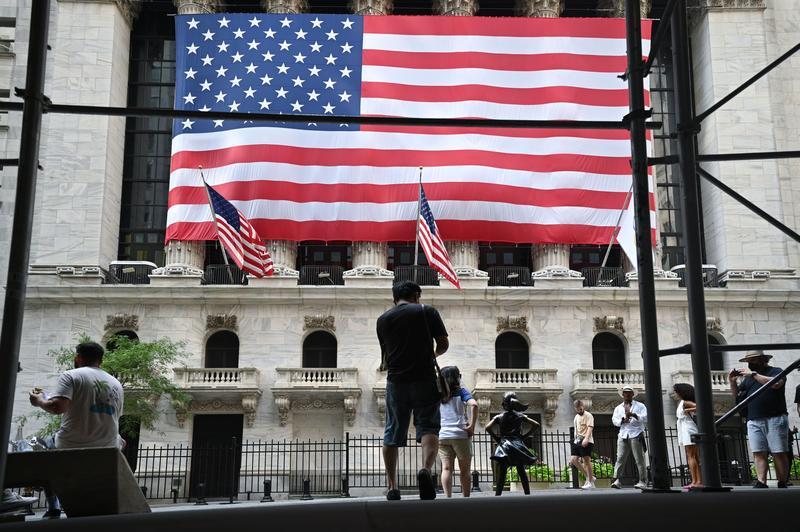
x: 644, y: 246
x: 701, y: 365
x: 19, y: 252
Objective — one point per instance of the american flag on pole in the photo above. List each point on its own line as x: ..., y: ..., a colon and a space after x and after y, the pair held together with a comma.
x: 315, y: 181
x: 431, y: 241
x: 238, y: 237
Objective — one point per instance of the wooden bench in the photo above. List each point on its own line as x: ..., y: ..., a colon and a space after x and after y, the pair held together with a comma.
x: 96, y: 481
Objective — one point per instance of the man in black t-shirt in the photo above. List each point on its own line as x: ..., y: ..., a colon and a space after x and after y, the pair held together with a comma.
x: 767, y: 417
x: 406, y: 333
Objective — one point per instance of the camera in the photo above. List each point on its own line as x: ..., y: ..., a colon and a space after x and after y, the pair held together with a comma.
x: 736, y: 373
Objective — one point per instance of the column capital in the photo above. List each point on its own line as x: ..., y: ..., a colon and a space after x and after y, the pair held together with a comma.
x: 726, y: 4
x: 192, y: 7
x: 285, y: 6
x: 456, y: 8
x: 372, y: 7
x: 616, y: 8
x: 540, y: 8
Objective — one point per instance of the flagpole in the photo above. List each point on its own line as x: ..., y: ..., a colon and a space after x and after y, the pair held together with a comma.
x: 214, y: 219
x: 416, y: 233
x: 616, y: 227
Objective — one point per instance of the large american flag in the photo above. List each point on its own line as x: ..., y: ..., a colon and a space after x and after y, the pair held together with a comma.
x: 431, y: 241
x: 346, y: 182
x: 238, y: 237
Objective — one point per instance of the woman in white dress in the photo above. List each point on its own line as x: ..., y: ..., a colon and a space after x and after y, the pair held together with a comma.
x: 686, y: 428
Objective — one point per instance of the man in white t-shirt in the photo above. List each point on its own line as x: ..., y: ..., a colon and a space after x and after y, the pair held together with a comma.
x: 630, y: 416
x: 89, y: 401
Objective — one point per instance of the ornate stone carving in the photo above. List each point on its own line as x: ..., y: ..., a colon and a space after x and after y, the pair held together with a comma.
x: 180, y: 416
x: 129, y: 9
x: 456, y: 8
x: 350, y: 403
x: 221, y: 321
x: 249, y: 406
x: 465, y: 255
x: 713, y: 324
x: 605, y: 405
x: 608, y: 323
x: 118, y: 322
x: 552, y: 261
x: 316, y: 404
x: 550, y: 407
x: 616, y: 8
x: 540, y: 8
x: 319, y: 322
x: 285, y: 6
x: 369, y: 259
x: 189, y: 7
x: 380, y: 401
x: 284, y: 405
x: 513, y: 323
x: 371, y: 7
x: 484, y: 409
x: 183, y: 258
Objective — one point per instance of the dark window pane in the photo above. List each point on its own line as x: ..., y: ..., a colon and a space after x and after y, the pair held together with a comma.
x: 319, y: 350
x: 511, y: 351
x: 608, y: 351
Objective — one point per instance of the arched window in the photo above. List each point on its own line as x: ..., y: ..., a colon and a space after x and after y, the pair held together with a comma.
x: 222, y: 350
x: 608, y: 351
x: 511, y: 351
x: 716, y: 360
x: 111, y: 344
x: 319, y: 350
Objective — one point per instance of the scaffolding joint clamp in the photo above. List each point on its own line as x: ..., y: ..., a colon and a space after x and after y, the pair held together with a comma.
x: 690, y: 127
x: 635, y: 115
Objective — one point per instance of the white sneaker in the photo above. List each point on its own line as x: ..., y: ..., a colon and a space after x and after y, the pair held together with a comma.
x: 640, y: 485
x: 587, y: 486
x: 616, y: 484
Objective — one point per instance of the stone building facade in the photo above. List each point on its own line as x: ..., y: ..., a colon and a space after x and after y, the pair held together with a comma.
x: 554, y: 341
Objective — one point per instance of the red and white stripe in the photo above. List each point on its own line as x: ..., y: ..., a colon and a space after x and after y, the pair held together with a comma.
x: 245, y: 247
x: 540, y: 186
x: 436, y: 253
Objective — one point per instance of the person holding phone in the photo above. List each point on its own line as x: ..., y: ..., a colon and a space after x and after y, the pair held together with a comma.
x: 630, y: 416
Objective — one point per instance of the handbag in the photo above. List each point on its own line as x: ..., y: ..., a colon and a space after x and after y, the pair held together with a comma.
x: 442, y: 387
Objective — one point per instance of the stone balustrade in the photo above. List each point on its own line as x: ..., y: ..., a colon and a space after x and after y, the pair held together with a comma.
x: 316, y: 378
x: 719, y: 380
x: 216, y: 378
x: 516, y: 379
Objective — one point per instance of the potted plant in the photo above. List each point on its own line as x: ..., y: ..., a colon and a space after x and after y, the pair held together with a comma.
x: 602, y: 467
x: 540, y: 476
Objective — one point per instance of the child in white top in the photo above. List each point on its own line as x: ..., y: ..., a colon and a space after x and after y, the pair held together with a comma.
x: 456, y: 431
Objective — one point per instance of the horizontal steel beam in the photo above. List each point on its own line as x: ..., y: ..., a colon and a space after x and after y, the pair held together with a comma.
x: 724, y: 348
x: 792, y: 154
x: 328, y: 119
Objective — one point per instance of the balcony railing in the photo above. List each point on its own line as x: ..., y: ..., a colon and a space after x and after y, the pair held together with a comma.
x: 719, y: 380
x: 330, y: 378
x: 710, y: 277
x: 129, y: 272
x: 321, y: 275
x: 515, y: 379
x: 426, y: 276
x: 603, y: 277
x: 509, y: 276
x: 216, y: 378
x: 219, y: 274
x: 607, y: 379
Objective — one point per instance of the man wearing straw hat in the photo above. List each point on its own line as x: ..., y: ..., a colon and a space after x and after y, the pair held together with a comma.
x: 767, y: 417
x: 630, y: 416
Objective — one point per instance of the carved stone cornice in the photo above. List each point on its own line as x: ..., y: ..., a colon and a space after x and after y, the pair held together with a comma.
x: 118, y: 322
x: 325, y: 323
x: 286, y: 405
x: 372, y: 7
x: 546, y: 403
x: 221, y: 321
x: 512, y: 323
x: 726, y: 4
x: 285, y: 6
x: 616, y: 8
x: 608, y: 323
x: 456, y: 8
x: 190, y: 7
x: 247, y: 405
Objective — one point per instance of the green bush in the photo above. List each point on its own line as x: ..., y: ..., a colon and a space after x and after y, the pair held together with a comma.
x: 536, y: 473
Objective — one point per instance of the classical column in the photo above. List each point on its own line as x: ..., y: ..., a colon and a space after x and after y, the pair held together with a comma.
x: 284, y: 252
x: 369, y: 258
x: 616, y: 8
x: 371, y: 7
x: 463, y: 253
x: 549, y: 260
x: 185, y: 256
x: 540, y: 8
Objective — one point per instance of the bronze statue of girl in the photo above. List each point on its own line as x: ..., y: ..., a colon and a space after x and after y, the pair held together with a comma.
x: 511, y: 451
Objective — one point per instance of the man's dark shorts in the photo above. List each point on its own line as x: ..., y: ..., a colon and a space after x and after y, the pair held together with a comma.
x: 580, y: 450
x: 403, y: 398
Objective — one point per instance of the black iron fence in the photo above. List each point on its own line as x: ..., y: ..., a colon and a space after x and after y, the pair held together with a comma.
x: 425, y: 275
x: 333, y: 467
x: 603, y: 277
x: 509, y: 276
x: 224, y: 274
x: 321, y: 275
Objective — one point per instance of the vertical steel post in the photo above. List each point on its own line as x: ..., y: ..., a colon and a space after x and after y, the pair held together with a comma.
x: 19, y: 252
x: 644, y: 247
x: 701, y: 366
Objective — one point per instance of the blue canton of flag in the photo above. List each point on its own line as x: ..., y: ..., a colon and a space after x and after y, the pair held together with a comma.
x: 264, y: 63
